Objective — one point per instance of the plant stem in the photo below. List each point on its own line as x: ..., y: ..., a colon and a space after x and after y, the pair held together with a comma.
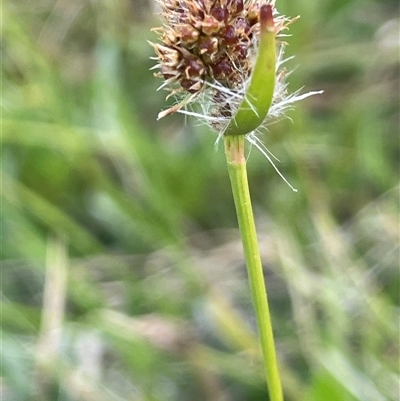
x: 234, y: 150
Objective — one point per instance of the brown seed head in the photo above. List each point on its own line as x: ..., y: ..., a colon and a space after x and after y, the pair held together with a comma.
x: 208, y: 41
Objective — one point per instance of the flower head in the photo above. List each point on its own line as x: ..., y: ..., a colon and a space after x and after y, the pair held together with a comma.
x: 209, y: 54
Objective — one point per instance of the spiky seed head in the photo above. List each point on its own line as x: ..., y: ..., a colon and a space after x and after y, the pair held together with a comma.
x: 207, y: 41
x: 206, y: 54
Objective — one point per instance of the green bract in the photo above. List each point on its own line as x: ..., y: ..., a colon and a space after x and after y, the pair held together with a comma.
x: 258, y: 98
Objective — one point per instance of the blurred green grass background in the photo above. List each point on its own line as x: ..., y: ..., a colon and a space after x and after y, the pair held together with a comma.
x: 122, y: 270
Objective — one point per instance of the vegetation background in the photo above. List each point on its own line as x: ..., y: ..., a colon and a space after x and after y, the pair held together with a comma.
x: 122, y: 270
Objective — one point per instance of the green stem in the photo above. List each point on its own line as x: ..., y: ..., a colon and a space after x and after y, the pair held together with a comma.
x: 234, y: 150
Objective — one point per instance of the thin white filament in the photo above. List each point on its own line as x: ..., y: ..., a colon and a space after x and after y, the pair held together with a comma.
x: 260, y: 146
